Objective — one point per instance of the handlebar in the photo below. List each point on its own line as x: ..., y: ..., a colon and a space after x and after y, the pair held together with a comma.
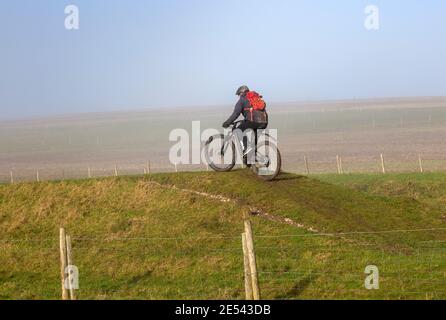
x: 235, y: 123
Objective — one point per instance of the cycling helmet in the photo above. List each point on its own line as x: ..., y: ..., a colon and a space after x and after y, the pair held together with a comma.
x: 242, y: 90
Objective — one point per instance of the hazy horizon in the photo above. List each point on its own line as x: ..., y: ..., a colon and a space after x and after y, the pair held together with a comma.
x: 152, y: 54
x: 304, y: 104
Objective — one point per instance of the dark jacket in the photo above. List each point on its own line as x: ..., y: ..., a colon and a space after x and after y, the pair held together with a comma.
x: 242, y: 103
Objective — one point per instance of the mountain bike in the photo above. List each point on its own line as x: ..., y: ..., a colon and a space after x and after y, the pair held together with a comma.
x: 220, y: 152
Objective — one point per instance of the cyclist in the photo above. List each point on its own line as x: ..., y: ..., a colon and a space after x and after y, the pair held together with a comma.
x: 253, y: 109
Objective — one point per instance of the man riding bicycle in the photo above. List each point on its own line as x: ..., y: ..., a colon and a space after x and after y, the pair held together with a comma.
x: 253, y: 108
x: 263, y: 156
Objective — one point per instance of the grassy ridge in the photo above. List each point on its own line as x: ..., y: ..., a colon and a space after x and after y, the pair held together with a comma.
x: 428, y: 188
x: 135, y: 239
x: 319, y: 204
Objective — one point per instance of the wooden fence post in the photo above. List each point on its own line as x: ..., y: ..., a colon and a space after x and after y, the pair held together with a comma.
x: 340, y: 165
x: 176, y: 167
x: 116, y: 169
x: 382, y: 164
x: 63, y: 261
x: 12, y: 177
x: 89, y: 172
x: 37, y: 176
x: 306, y: 165
x: 70, y: 263
x: 148, y: 167
x: 247, y: 269
x: 252, y: 260
x: 420, y: 163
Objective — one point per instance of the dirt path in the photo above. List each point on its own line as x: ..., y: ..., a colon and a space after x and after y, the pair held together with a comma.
x: 253, y: 211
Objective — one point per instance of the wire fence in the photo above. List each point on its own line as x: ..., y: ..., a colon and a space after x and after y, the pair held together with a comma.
x: 290, y: 266
x: 308, y: 165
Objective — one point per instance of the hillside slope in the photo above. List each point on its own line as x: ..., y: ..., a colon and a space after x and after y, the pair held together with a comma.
x: 166, y: 236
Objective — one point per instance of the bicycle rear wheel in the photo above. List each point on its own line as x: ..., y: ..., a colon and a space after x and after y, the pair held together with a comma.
x: 220, y: 154
x: 268, y: 161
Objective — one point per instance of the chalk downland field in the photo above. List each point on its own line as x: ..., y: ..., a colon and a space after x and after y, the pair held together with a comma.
x: 357, y: 130
x: 177, y: 236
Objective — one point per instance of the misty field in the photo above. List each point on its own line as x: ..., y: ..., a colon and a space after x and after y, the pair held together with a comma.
x: 358, y: 131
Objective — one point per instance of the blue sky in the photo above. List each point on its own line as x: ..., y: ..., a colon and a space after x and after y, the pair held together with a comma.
x: 138, y: 54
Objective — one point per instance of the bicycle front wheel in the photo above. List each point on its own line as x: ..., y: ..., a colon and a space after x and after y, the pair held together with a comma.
x: 220, y: 153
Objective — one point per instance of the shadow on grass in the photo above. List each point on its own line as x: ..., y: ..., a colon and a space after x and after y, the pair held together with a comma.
x: 136, y: 279
x: 297, y: 289
x: 288, y: 176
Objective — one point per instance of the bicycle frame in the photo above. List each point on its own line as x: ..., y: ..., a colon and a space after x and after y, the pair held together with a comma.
x: 236, y: 136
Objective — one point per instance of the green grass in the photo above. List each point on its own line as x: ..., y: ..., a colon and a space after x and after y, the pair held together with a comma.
x: 426, y: 188
x: 134, y: 239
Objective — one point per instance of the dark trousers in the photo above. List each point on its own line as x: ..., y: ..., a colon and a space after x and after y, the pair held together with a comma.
x: 245, y: 125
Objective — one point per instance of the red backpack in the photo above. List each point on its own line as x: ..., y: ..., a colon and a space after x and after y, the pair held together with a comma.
x: 256, y: 111
x: 255, y: 100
